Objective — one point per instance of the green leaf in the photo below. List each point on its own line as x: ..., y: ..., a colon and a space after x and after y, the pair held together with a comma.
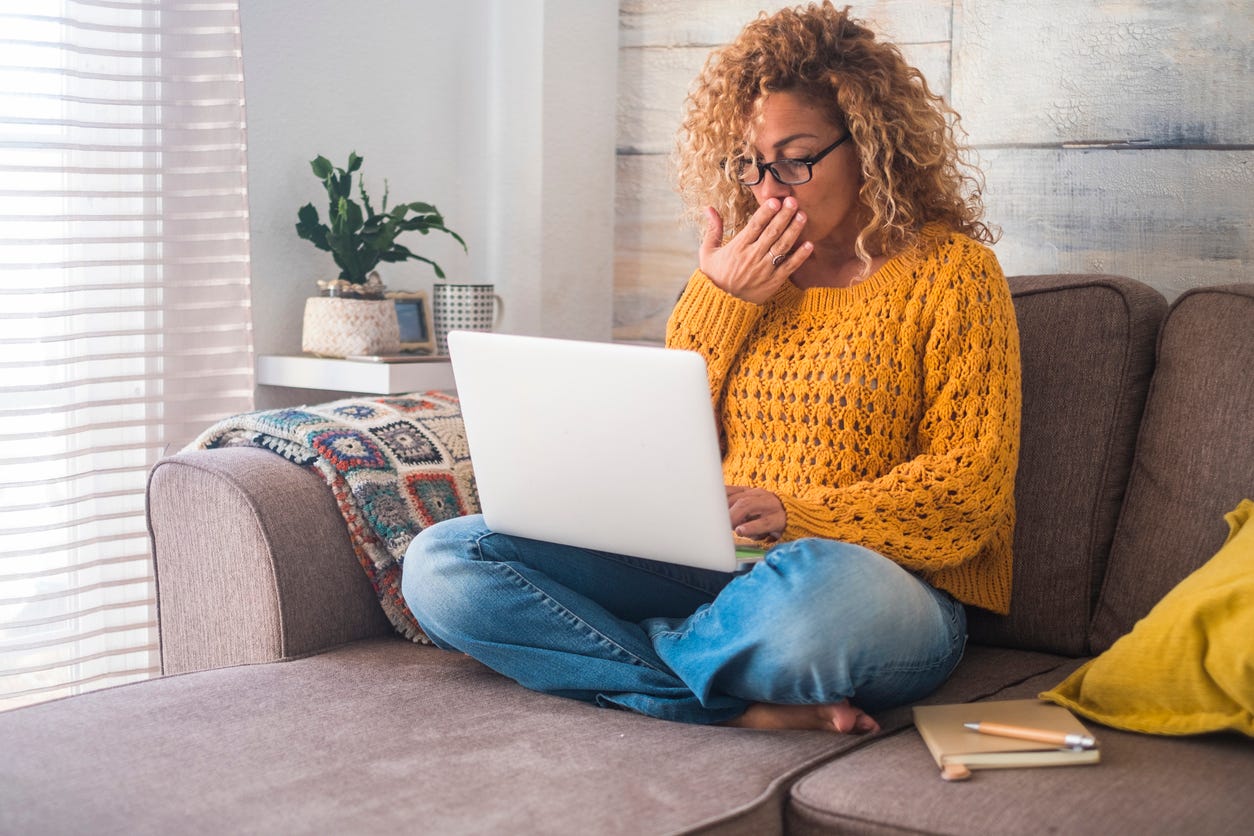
x: 354, y: 265
x: 358, y: 240
x: 339, y: 217
x: 366, y: 263
x: 365, y: 201
x: 322, y: 167
x: 439, y: 274
x: 310, y: 229
x: 343, y: 185
x: 413, y: 223
x: 307, y: 214
x: 395, y: 254
x: 317, y: 234
x: 354, y: 215
x: 347, y: 270
x: 456, y: 237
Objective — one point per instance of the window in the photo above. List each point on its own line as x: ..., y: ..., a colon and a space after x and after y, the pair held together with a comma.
x: 125, y: 326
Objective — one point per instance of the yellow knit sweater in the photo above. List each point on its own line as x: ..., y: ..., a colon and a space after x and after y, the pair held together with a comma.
x: 885, y: 415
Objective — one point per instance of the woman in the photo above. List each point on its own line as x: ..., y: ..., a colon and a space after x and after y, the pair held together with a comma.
x: 863, y: 362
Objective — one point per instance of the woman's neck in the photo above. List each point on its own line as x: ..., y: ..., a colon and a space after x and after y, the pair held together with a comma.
x: 836, y: 267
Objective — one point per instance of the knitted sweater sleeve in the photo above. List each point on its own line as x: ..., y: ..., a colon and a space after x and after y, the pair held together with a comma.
x: 939, y: 509
x: 712, y: 323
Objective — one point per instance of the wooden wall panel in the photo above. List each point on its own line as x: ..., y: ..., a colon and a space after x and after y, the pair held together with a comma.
x: 1116, y: 136
x: 663, y: 44
x: 712, y: 22
x: 654, y: 81
x: 654, y: 252
x: 1174, y: 219
x: 1142, y: 72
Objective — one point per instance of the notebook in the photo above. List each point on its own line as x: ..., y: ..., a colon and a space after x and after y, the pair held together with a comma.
x: 604, y: 446
x: 950, y: 742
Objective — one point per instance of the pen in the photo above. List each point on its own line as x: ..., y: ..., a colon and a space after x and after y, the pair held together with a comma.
x: 1065, y: 739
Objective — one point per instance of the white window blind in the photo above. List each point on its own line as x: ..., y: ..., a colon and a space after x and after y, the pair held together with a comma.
x: 125, y: 326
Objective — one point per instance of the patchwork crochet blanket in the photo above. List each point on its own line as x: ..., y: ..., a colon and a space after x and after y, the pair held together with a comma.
x: 395, y: 465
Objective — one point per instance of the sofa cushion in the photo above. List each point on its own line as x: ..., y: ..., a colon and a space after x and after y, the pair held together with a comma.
x: 1194, y: 459
x: 1188, y: 666
x: 382, y: 735
x: 1087, y: 346
x: 385, y: 735
x: 1144, y: 785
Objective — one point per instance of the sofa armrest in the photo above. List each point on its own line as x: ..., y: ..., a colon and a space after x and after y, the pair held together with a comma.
x: 253, y: 562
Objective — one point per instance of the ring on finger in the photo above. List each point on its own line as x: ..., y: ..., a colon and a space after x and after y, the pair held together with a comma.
x: 776, y: 260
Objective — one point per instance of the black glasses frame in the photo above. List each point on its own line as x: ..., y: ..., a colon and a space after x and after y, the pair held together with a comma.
x: 745, y: 165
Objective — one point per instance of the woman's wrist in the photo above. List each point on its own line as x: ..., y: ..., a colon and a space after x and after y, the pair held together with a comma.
x: 708, y: 315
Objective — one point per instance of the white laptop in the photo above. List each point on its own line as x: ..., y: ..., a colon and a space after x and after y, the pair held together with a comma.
x: 604, y: 446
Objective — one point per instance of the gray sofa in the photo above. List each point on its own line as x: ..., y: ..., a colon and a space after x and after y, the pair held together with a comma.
x: 289, y: 704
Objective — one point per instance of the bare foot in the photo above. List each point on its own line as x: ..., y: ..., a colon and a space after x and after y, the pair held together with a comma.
x: 843, y: 717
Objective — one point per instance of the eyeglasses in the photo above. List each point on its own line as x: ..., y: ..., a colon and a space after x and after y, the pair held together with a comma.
x: 787, y: 172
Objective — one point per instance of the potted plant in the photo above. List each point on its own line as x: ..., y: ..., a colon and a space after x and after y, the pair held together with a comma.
x: 352, y: 315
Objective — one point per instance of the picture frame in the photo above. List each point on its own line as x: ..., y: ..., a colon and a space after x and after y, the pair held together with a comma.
x: 413, y: 316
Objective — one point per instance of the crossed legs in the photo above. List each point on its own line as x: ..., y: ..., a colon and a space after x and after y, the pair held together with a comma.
x: 785, y: 645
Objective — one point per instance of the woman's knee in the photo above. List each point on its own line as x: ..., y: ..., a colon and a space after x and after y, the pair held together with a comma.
x: 823, y: 572
x: 429, y: 576
x: 853, y: 608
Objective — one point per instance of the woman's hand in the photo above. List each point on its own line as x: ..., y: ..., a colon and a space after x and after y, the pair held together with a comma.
x: 756, y: 513
x: 759, y: 259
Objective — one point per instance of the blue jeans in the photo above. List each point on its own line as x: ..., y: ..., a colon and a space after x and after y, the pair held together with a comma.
x: 817, y: 621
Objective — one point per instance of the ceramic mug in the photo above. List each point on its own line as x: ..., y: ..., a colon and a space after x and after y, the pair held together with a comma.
x: 464, y: 307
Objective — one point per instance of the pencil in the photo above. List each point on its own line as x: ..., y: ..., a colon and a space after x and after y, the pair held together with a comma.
x: 1055, y: 738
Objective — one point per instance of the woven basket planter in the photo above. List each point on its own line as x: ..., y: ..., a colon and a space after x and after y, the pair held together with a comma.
x: 340, y: 327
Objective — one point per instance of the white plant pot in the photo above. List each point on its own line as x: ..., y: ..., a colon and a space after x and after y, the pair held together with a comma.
x: 340, y: 327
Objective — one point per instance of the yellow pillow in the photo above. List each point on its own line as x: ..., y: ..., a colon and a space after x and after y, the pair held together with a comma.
x: 1188, y: 666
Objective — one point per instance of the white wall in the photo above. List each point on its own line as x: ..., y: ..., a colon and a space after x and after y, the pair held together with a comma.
x: 500, y: 112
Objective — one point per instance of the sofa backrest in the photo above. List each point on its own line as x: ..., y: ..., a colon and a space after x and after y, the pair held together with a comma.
x: 1087, y: 344
x: 1194, y: 459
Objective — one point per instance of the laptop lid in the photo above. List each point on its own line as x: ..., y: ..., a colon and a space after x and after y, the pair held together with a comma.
x: 599, y: 445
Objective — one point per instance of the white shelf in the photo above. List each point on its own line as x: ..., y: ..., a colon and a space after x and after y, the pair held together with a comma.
x: 419, y: 374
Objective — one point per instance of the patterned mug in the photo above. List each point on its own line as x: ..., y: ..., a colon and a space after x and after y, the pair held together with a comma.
x: 464, y: 307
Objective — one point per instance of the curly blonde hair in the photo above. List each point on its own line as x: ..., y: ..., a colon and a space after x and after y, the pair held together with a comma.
x: 906, y: 135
